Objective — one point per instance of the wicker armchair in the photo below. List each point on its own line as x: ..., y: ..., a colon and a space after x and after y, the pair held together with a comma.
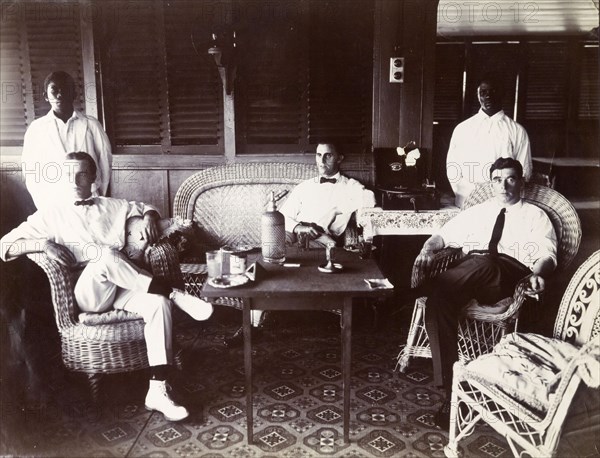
x: 117, y: 345
x: 226, y: 203
x: 482, y: 325
x: 531, y: 431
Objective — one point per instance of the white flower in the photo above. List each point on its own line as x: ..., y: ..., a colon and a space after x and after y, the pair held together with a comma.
x: 412, y: 156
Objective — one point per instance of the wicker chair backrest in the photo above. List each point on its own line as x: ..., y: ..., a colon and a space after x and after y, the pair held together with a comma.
x: 227, y: 201
x: 578, y: 318
x: 560, y: 211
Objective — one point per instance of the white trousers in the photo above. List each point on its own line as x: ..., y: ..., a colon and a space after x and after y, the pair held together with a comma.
x: 113, y: 281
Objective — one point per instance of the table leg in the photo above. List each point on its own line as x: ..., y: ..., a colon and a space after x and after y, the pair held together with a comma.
x: 248, y: 367
x: 346, y: 360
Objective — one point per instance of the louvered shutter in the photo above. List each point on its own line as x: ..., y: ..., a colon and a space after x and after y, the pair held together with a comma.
x: 272, y: 75
x: 36, y: 38
x: 54, y: 43
x: 547, y: 81
x: 589, y: 97
x: 134, y: 85
x: 449, y: 70
x: 195, y: 91
x: 13, y: 120
x: 340, y: 72
x: 501, y: 59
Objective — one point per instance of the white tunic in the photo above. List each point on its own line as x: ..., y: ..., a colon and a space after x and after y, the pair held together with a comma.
x: 47, y: 141
x: 476, y: 143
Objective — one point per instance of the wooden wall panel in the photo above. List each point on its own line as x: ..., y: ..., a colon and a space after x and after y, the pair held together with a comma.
x: 149, y: 186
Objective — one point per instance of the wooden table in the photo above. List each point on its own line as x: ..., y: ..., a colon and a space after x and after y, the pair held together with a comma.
x: 305, y: 288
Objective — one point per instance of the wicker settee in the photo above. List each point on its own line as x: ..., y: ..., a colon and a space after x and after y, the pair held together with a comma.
x: 225, y: 203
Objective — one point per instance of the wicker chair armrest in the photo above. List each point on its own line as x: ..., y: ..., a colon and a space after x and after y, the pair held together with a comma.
x: 517, y: 302
x: 61, y: 289
x: 441, y: 262
x: 164, y: 261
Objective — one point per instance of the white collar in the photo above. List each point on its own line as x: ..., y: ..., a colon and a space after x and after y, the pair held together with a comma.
x: 495, y: 117
x: 53, y: 117
x: 517, y: 205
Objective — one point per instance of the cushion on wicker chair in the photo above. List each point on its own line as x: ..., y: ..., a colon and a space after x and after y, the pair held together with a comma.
x: 526, y: 367
x: 112, y: 316
x: 497, y: 308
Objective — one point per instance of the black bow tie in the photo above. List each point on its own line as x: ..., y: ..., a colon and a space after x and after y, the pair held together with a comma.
x: 327, y: 180
x: 84, y: 202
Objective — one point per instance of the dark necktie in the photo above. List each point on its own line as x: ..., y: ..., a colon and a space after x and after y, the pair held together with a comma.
x: 327, y: 180
x: 497, y: 232
x: 84, y: 202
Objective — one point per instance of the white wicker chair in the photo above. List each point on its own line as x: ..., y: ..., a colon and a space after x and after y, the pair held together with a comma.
x: 529, y: 431
x: 482, y: 325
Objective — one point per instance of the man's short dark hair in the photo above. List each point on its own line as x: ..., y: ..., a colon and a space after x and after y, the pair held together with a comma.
x: 507, y: 163
x: 494, y: 80
x: 332, y: 145
x: 59, y: 77
x: 82, y: 156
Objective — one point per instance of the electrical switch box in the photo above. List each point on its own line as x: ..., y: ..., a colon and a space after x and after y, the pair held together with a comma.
x: 396, y: 69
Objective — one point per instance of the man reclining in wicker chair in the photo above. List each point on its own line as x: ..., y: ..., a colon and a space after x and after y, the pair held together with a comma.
x: 88, y: 234
x: 506, y: 239
x: 319, y: 210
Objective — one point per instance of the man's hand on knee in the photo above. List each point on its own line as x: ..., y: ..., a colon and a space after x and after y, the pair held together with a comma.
x: 59, y: 253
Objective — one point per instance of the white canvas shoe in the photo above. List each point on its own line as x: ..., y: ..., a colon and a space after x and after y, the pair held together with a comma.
x: 158, y: 399
x: 195, y: 307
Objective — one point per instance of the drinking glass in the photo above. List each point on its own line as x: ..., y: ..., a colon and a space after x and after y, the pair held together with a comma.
x: 303, y: 241
x: 213, y: 263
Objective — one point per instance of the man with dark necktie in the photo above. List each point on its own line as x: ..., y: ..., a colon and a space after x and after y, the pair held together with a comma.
x: 505, y: 239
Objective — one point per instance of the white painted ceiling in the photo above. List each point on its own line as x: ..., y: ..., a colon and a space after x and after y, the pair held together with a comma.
x: 510, y: 17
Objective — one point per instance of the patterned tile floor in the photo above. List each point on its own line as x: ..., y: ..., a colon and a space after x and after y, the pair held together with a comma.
x: 298, y: 402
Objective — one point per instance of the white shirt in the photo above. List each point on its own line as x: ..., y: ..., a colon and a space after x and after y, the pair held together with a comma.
x: 315, y: 202
x: 528, y: 234
x: 47, y: 141
x: 476, y: 143
x: 82, y: 229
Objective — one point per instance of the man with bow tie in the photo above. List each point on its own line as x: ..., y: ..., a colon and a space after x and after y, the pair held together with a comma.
x: 504, y: 239
x: 88, y: 234
x: 321, y: 207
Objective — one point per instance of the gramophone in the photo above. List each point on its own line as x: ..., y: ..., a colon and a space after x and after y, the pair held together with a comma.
x: 400, y: 177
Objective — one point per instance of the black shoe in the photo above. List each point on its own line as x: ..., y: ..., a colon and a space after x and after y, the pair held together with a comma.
x: 237, y: 339
x: 442, y: 416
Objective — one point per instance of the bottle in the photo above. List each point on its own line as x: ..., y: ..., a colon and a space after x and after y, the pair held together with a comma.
x: 273, y: 233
